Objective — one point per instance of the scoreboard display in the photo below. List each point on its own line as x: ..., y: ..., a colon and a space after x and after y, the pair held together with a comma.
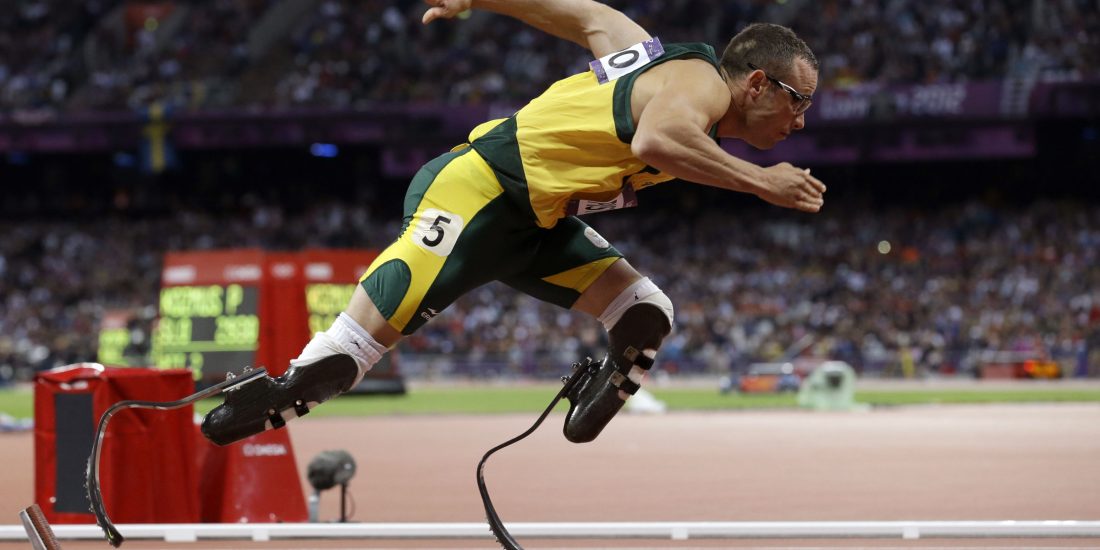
x: 325, y: 302
x: 223, y: 310
x: 211, y: 329
x: 114, y: 338
x: 209, y: 313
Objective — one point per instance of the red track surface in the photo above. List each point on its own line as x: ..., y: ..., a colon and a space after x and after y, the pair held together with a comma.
x: 993, y: 462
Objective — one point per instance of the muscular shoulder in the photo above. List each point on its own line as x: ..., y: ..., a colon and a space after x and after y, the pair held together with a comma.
x: 695, y: 81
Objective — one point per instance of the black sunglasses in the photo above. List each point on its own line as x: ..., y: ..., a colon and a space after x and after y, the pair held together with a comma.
x: 802, y: 102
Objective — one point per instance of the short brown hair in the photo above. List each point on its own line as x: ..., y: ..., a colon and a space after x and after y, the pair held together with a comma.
x: 771, y: 47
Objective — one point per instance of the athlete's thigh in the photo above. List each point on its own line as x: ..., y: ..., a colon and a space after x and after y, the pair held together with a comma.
x: 460, y: 232
x: 571, y: 256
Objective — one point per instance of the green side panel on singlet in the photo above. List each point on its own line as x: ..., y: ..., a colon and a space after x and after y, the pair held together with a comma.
x: 501, y: 144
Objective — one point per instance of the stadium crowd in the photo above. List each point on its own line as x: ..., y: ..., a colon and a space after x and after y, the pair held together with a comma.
x: 891, y: 291
x: 188, y: 54
x: 900, y: 290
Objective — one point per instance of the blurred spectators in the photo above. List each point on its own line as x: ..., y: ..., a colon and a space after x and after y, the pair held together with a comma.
x: 878, y: 288
x: 353, y: 51
x: 191, y: 54
x: 180, y: 54
x: 951, y: 40
x: 40, y: 46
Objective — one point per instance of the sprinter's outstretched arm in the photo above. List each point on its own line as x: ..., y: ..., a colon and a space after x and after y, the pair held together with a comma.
x: 598, y: 27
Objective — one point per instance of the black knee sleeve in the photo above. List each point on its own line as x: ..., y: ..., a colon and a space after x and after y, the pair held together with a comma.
x: 642, y: 328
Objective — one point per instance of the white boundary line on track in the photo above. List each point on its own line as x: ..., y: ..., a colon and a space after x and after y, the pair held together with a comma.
x: 674, y: 530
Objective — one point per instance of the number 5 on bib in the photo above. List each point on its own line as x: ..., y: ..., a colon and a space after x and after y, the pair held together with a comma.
x: 437, y: 231
x: 615, y: 65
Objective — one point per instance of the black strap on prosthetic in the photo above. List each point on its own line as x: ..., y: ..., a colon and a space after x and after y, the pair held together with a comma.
x: 642, y: 326
x: 276, y: 417
x: 639, y: 358
x: 620, y: 380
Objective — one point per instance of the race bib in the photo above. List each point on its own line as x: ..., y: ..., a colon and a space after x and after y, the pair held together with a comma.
x: 580, y: 207
x: 437, y: 231
x: 615, y: 65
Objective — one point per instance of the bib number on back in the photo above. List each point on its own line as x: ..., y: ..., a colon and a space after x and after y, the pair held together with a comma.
x: 614, y: 65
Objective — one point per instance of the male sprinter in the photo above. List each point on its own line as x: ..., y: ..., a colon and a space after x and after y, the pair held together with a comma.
x: 502, y: 206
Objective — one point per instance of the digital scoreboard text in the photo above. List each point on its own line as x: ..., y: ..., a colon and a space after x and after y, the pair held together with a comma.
x: 324, y: 302
x: 211, y: 329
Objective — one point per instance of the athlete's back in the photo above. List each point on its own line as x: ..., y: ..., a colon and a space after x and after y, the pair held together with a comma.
x: 573, y: 141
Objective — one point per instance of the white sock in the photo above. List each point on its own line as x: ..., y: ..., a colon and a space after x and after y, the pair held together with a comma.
x: 344, y: 337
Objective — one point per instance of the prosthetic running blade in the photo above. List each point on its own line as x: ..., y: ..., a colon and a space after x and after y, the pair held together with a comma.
x: 231, y: 383
x: 503, y: 537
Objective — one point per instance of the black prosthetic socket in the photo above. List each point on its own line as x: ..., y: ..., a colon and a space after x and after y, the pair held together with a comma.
x: 260, y: 405
x: 595, y: 400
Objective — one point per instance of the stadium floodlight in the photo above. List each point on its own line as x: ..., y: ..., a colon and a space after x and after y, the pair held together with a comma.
x: 324, y: 150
